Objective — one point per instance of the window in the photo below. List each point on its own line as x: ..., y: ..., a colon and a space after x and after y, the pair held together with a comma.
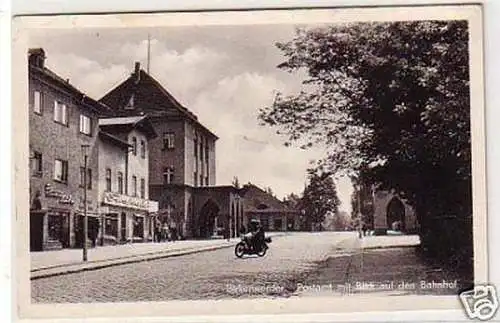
x: 134, y: 146
x: 88, y: 179
x: 168, y: 175
x: 61, y: 170
x: 36, y: 165
x: 143, y: 149
x: 60, y: 113
x: 120, y: 182
x: 196, y: 146
x: 206, y: 180
x: 168, y: 140
x: 143, y: 188
x: 85, y: 125
x: 201, y: 180
x: 134, y: 186
x: 278, y: 224
x: 130, y: 104
x: 108, y: 180
x: 37, y: 102
x: 206, y: 151
x: 201, y: 149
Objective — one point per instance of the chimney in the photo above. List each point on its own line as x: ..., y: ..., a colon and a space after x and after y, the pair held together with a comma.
x: 36, y: 57
x: 137, y: 72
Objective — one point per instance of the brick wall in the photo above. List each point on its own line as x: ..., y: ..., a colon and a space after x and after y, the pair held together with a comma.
x: 160, y: 158
x: 54, y: 140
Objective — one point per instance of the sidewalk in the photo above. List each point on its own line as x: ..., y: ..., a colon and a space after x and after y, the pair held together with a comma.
x: 382, y: 265
x: 378, y: 242
x: 59, y: 262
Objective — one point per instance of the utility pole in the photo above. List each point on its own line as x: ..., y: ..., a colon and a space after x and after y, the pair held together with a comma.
x: 85, y: 222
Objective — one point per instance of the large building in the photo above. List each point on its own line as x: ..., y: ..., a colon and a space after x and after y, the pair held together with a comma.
x: 62, y: 127
x: 68, y: 130
x: 181, y: 160
x: 123, y: 187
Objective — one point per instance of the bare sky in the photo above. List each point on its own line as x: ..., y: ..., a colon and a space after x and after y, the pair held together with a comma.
x: 223, y: 74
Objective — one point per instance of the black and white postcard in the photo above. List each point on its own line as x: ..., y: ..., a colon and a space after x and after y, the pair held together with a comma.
x: 292, y: 162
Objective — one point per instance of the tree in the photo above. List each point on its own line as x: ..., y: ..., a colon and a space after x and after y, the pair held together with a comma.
x: 292, y: 201
x: 319, y: 198
x: 390, y: 101
x: 269, y: 191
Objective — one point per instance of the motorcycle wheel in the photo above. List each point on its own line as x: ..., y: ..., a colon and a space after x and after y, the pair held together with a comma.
x: 239, y: 250
x: 262, y: 252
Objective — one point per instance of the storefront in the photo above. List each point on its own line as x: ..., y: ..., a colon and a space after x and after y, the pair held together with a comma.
x: 50, y: 220
x: 126, y: 219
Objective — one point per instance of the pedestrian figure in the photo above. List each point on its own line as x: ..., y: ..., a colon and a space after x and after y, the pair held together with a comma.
x: 157, y: 233
x: 164, y: 232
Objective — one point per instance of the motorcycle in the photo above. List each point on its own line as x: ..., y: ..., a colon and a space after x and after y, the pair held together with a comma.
x: 244, y: 247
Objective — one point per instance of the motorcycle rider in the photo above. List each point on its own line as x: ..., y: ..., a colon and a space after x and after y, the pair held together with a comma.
x: 253, y: 233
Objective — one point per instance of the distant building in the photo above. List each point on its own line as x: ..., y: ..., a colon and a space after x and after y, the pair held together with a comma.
x: 61, y: 120
x: 123, y: 187
x: 392, y: 212
x: 181, y: 160
x: 273, y: 214
x: 384, y: 210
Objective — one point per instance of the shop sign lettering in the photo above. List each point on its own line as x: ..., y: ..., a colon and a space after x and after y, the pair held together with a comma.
x: 125, y: 201
x: 63, y: 197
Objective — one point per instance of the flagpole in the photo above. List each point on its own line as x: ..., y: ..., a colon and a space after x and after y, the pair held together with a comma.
x: 149, y: 53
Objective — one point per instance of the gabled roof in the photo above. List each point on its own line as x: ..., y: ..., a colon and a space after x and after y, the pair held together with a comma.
x: 86, y: 101
x: 114, y: 140
x: 258, y: 200
x: 120, y: 120
x: 150, y: 97
x: 120, y: 124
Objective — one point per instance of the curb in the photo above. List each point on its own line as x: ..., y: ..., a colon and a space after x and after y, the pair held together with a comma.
x: 116, y: 262
x: 390, y: 247
x: 52, y: 271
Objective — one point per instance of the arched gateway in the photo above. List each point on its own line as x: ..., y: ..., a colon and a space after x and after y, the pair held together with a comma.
x: 208, y: 218
x: 396, y: 215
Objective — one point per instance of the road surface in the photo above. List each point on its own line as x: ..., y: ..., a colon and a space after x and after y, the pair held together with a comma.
x: 207, y: 275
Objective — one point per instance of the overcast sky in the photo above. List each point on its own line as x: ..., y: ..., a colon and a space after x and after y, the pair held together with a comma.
x: 223, y: 74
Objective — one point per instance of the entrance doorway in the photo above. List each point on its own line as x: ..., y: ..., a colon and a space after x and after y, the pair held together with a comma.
x: 36, y: 231
x: 123, y: 227
x: 396, y: 215
x: 208, y: 214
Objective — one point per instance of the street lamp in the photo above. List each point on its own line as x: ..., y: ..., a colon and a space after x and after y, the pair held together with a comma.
x: 85, y: 148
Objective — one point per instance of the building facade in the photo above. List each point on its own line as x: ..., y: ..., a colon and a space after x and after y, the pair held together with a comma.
x: 125, y: 208
x: 392, y: 212
x: 383, y: 210
x: 273, y: 214
x: 181, y: 161
x: 62, y: 128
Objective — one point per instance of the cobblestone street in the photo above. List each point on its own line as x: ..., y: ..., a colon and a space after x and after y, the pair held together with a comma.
x: 214, y: 274
x: 300, y: 264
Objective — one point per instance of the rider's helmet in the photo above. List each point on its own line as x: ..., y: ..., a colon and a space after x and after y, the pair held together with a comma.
x: 254, y: 224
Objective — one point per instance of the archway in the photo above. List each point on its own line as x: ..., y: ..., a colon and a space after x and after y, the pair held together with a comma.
x: 208, y: 213
x: 396, y: 213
